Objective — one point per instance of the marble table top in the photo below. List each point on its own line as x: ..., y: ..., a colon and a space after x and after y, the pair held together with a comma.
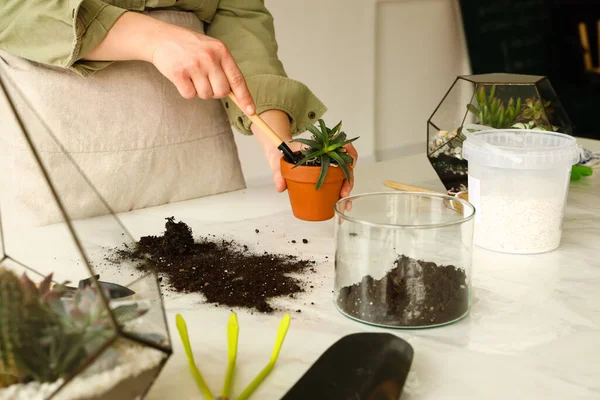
x: 533, y: 330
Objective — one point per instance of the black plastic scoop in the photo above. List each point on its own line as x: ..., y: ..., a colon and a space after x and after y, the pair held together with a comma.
x: 115, y: 291
x: 361, y: 366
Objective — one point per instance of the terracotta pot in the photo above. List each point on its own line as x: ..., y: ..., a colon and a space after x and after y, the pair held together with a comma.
x: 307, y: 202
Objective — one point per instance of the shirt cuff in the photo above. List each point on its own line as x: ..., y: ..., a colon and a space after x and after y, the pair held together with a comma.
x: 274, y: 92
x: 92, y: 21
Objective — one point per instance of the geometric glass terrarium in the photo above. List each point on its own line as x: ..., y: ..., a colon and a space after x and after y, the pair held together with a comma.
x: 487, y: 102
x: 72, y: 324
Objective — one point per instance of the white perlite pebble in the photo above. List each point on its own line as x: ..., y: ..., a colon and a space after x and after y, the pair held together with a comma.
x: 443, y: 137
x: 519, y: 224
x: 133, y: 360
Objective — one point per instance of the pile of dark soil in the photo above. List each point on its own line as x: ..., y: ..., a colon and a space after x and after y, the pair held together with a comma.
x: 225, y: 272
x: 414, y: 293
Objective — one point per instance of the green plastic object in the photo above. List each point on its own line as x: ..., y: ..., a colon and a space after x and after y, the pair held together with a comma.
x: 232, y: 342
x: 579, y: 171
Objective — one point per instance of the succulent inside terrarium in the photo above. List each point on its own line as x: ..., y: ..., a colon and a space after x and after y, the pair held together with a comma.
x: 46, y: 334
x: 492, y: 106
x: 536, y: 115
x: 491, y: 111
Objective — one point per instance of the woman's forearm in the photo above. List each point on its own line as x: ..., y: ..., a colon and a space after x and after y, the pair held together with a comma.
x: 132, y: 37
x: 198, y: 65
x: 279, y: 122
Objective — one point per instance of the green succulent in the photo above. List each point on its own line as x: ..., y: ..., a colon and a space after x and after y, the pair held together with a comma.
x: 536, y: 114
x: 536, y: 110
x: 45, y: 335
x: 87, y: 317
x: 11, y: 292
x: 490, y: 110
x: 326, y: 148
x: 25, y: 352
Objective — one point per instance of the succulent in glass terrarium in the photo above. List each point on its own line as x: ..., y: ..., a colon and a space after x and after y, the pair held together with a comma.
x: 98, y: 339
x: 484, y: 102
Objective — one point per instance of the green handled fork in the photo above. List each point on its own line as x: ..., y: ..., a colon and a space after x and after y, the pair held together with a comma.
x: 232, y: 344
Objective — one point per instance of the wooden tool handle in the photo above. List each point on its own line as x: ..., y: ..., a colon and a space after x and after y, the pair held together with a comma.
x: 408, y: 188
x: 256, y: 119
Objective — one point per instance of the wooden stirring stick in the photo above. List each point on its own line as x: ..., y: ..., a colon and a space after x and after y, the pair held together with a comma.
x: 408, y: 188
x: 256, y: 119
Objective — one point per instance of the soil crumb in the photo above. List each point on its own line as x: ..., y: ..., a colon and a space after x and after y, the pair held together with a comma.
x: 225, y: 272
x: 414, y: 293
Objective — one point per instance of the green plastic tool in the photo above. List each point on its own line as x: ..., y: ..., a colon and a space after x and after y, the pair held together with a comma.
x: 579, y: 171
x: 283, y: 328
x: 185, y: 339
x: 232, y: 345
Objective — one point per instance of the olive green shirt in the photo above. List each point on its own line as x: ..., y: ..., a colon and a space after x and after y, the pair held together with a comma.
x: 61, y: 32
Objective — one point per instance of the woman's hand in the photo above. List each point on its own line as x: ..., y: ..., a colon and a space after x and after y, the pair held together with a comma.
x: 349, y: 185
x: 198, y: 65
x: 280, y: 123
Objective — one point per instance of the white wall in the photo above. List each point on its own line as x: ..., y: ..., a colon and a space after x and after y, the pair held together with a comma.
x: 420, y: 51
x: 380, y: 66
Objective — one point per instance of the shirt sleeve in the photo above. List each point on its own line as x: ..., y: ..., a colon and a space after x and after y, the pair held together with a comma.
x: 247, y: 29
x: 58, y: 32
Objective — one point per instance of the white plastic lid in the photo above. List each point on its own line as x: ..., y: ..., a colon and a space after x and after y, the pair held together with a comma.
x: 521, y: 149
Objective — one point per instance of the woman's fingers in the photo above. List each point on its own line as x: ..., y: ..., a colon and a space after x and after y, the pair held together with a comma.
x: 200, y: 66
x: 237, y: 83
x: 351, y: 150
x: 279, y: 181
x: 349, y: 205
x: 185, y: 86
x: 349, y: 185
x: 219, y: 84
x: 202, y: 84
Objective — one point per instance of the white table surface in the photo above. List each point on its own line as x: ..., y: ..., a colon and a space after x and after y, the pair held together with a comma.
x: 533, y: 331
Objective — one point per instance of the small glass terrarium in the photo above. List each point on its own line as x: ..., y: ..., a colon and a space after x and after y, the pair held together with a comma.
x: 73, y: 325
x: 403, y: 259
x: 488, y: 101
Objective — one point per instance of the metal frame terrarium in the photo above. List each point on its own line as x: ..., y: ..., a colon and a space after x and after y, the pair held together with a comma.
x: 483, y: 102
x: 91, y: 339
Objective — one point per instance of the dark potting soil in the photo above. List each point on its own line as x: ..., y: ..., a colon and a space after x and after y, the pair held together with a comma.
x: 414, y: 293
x: 316, y: 162
x: 225, y: 272
x: 453, y: 172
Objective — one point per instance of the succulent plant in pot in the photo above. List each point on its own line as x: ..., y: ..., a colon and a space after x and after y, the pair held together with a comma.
x: 315, y: 181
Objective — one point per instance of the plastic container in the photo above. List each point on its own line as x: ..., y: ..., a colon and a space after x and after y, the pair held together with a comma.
x: 403, y: 259
x: 518, y: 182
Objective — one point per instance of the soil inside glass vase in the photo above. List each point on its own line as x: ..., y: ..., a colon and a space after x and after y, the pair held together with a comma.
x: 413, y: 293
